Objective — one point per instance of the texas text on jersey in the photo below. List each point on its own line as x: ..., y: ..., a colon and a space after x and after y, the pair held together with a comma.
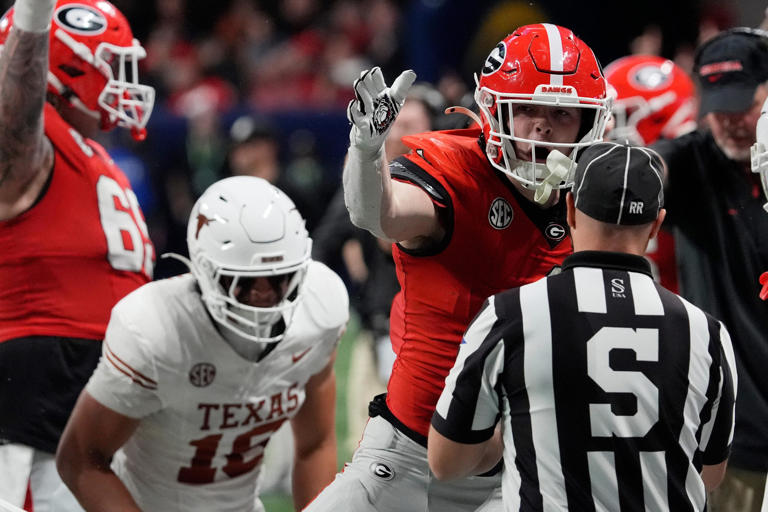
x: 206, y: 412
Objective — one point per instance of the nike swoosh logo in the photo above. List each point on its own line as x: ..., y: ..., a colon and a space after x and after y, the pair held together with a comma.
x: 296, y: 357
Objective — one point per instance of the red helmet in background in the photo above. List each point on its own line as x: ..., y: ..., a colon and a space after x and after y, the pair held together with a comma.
x: 540, y: 64
x: 654, y: 98
x: 93, y: 64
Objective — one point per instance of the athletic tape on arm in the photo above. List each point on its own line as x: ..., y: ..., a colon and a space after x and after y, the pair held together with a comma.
x: 33, y: 15
x: 363, y: 189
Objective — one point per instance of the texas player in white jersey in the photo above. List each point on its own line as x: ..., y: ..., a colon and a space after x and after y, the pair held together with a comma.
x: 199, y: 370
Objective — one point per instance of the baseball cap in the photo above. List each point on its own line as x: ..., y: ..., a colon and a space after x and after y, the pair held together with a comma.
x: 619, y: 183
x: 729, y: 68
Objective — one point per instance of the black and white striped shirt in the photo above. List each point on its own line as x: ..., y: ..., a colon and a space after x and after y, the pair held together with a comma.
x: 612, y: 391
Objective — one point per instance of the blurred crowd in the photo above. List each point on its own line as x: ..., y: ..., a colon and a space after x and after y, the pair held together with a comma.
x: 261, y: 87
x: 251, y: 88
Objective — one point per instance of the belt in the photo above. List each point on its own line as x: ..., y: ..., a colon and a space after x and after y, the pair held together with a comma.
x: 378, y: 407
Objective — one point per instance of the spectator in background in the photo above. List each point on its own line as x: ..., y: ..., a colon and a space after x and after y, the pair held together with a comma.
x: 203, y: 105
x: 255, y: 151
x: 721, y: 232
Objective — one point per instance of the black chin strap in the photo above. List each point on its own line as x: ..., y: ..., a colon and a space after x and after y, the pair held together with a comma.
x: 277, y: 328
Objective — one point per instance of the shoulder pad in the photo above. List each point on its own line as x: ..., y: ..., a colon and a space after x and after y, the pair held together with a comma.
x: 325, y: 295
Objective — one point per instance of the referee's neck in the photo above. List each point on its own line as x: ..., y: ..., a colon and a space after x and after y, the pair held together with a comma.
x: 589, y: 234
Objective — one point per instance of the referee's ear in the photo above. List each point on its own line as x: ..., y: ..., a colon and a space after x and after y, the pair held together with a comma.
x: 570, y: 211
x: 657, y: 224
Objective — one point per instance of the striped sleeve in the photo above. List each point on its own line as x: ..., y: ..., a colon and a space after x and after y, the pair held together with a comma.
x: 468, y: 409
x: 717, y: 433
x: 125, y: 379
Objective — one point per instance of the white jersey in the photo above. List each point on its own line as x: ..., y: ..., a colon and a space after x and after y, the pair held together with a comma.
x: 206, y: 413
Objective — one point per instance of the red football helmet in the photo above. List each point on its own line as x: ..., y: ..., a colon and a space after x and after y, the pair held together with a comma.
x: 654, y: 98
x: 546, y: 65
x: 93, y: 64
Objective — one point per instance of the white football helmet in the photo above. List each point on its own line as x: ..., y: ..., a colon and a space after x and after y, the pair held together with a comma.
x: 243, y: 228
x: 760, y: 150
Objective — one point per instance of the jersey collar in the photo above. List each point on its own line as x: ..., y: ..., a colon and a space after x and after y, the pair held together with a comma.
x: 610, y: 260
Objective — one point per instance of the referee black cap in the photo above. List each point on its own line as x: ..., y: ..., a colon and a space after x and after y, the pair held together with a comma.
x: 619, y: 183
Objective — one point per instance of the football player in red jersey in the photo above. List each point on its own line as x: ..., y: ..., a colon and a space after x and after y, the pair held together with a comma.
x: 471, y: 211
x: 652, y: 98
x: 74, y: 239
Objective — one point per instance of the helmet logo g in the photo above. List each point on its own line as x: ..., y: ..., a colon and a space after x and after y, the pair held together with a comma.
x: 495, y: 59
x: 81, y: 19
x: 650, y: 77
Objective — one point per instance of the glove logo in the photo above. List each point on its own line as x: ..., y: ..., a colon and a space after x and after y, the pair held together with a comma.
x: 495, y: 59
x: 382, y: 471
x: 81, y: 19
x: 383, y: 115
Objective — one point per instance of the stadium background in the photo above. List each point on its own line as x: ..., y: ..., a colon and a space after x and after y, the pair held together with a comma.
x: 289, y: 65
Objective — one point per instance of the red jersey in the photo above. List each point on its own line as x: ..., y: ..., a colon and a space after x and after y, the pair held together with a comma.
x: 495, y: 240
x: 661, y: 254
x: 67, y: 260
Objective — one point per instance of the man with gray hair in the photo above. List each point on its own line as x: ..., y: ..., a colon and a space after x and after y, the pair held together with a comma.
x: 715, y: 211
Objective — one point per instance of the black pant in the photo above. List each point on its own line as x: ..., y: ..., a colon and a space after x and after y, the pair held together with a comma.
x: 40, y: 380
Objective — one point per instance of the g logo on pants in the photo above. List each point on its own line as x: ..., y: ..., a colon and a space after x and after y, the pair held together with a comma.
x: 382, y: 471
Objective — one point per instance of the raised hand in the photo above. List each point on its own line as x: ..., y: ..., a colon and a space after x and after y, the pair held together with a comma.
x: 33, y: 15
x: 375, y: 107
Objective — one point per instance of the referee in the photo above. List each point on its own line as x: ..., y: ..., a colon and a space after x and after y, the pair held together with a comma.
x: 610, y: 392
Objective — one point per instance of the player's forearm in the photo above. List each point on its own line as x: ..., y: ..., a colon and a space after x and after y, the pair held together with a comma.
x: 23, y: 82
x: 493, y: 450
x: 367, y: 186
x: 713, y: 475
x: 450, y: 460
x: 313, y: 471
x: 99, y: 489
